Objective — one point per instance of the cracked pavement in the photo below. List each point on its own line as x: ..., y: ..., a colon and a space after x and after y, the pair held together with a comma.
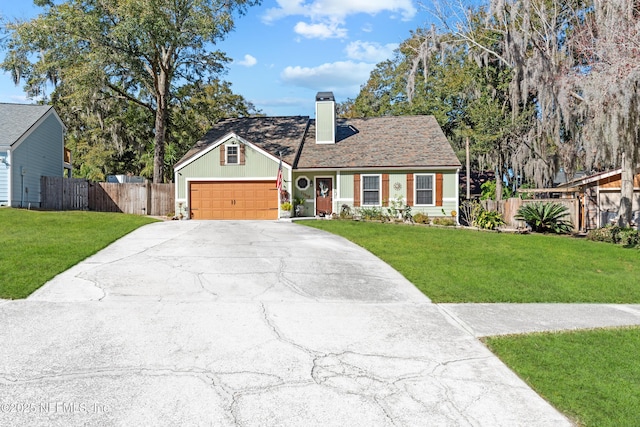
x: 200, y: 323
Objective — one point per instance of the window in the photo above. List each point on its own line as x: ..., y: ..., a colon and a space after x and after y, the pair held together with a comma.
x: 233, y: 157
x: 302, y: 183
x: 424, y: 189
x: 371, y: 190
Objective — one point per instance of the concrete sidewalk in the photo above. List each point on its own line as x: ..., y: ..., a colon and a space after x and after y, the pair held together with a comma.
x: 482, y: 320
x: 257, y: 324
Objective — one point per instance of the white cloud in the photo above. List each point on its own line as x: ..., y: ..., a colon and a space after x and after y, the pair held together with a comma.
x: 285, y: 8
x: 338, y: 9
x: 17, y: 99
x: 282, y: 102
x: 248, y: 61
x: 320, y: 31
x: 370, y: 52
x: 344, y: 77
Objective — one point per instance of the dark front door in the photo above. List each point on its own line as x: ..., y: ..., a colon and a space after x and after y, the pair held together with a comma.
x: 324, y: 193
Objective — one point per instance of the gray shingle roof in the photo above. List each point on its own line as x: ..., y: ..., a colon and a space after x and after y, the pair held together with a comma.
x: 380, y: 142
x: 17, y: 119
x: 272, y: 134
x: 390, y: 141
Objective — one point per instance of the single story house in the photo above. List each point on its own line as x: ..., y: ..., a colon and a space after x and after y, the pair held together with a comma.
x: 31, y: 146
x: 327, y: 162
x: 599, y: 198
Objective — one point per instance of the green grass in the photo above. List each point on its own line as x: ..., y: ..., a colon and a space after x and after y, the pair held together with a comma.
x: 591, y: 376
x: 454, y: 265
x: 36, y: 246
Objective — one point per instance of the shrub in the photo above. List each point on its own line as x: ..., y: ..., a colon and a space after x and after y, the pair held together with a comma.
x: 371, y: 213
x: 629, y: 237
x: 469, y: 211
x: 489, y: 220
x: 614, y: 234
x: 545, y: 217
x: 488, y: 191
x: 345, y: 212
x: 604, y: 234
x: 421, y: 218
x: 446, y: 221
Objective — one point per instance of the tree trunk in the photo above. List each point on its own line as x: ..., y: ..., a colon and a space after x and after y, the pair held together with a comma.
x: 626, y: 192
x: 468, y: 166
x: 158, y: 152
x: 499, y: 177
x: 160, y: 130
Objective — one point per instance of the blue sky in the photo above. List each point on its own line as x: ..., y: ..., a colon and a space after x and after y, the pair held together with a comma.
x: 285, y: 51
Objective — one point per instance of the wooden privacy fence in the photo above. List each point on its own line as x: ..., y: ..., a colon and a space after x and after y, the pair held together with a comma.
x: 509, y: 208
x: 58, y: 193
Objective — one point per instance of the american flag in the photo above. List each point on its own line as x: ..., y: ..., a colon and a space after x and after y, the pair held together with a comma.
x: 279, y: 178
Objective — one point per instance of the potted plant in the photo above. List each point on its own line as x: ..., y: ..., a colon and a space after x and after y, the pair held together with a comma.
x: 298, y: 204
x: 285, y: 210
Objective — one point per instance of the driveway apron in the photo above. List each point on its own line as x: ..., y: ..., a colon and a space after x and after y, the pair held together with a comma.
x: 247, y: 324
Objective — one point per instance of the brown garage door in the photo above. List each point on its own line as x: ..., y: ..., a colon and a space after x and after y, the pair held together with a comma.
x: 234, y: 200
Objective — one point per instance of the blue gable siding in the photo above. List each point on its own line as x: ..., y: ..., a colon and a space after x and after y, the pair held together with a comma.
x: 4, y: 180
x: 39, y: 154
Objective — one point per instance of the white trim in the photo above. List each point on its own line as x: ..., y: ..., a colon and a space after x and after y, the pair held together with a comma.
x: 223, y: 140
x: 434, y: 184
x: 258, y: 178
x: 308, y: 182
x: 226, y: 154
x: 362, y: 204
x: 338, y: 185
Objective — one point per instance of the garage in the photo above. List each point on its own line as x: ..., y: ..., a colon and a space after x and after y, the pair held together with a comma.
x: 233, y: 200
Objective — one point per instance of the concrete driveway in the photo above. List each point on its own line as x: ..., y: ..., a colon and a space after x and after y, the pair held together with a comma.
x: 248, y: 324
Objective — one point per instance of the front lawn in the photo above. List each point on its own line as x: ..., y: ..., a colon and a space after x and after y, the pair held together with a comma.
x: 454, y: 265
x: 36, y: 246
x: 591, y: 376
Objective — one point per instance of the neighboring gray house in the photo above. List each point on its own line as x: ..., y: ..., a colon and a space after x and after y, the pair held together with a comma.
x: 31, y: 146
x: 327, y: 163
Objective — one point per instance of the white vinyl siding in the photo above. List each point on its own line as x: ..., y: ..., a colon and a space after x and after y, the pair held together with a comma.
x: 371, y: 190
x: 424, y: 189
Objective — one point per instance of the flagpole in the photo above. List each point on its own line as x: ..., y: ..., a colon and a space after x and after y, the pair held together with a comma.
x: 279, y: 180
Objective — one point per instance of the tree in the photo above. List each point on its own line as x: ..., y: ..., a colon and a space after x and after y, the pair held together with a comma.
x: 101, y: 55
x: 579, y: 62
x: 481, y: 103
x: 437, y: 89
x: 606, y: 74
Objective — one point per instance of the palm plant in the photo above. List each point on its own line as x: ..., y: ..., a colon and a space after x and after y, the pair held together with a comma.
x: 545, y: 217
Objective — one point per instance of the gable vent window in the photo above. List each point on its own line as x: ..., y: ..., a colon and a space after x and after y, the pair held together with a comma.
x: 233, y: 155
